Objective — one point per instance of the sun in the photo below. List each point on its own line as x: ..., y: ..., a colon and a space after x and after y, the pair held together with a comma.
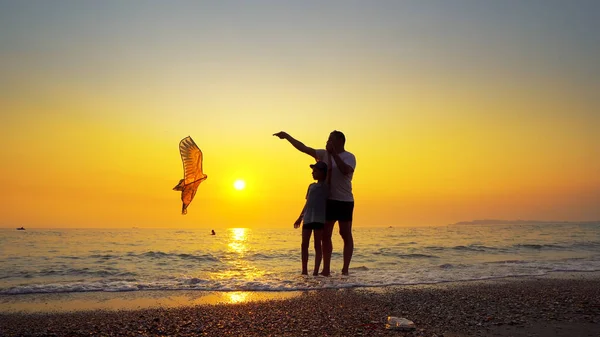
x: 239, y: 184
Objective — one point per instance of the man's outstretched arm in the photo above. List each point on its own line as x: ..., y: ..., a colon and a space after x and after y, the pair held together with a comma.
x: 297, y: 144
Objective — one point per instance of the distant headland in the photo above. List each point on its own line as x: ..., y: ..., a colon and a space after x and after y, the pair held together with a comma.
x: 523, y: 222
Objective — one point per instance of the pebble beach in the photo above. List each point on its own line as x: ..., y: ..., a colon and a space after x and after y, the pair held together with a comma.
x: 561, y: 306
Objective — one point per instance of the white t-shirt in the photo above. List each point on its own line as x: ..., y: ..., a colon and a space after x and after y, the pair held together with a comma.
x: 316, y: 199
x: 341, y: 185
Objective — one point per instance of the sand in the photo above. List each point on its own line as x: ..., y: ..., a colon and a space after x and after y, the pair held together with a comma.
x: 555, y: 306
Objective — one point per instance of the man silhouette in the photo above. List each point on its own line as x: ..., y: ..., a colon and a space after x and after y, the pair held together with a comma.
x: 340, y: 205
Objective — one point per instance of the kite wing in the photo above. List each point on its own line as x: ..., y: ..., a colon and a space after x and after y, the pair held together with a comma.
x: 191, y: 156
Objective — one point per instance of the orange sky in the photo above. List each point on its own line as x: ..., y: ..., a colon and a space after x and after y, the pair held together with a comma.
x: 453, y: 113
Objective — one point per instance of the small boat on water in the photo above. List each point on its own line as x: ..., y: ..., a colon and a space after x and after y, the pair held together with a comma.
x: 21, y: 228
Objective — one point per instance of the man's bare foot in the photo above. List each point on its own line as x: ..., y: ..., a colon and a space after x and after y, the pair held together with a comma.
x: 344, y: 272
x: 325, y: 274
x: 315, y: 273
x: 304, y: 272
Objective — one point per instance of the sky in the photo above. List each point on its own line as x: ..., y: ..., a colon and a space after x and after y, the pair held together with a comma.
x: 455, y: 110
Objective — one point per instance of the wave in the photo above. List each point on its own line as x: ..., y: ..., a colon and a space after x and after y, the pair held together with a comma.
x: 554, y: 246
x: 532, y: 246
x: 271, y: 256
x: 245, y: 278
x: 297, y: 283
x: 471, y: 248
x: 587, y: 244
x: 506, y: 262
x: 69, y: 257
x: 392, y: 253
x: 103, y: 256
x: 540, y: 246
x: 417, y: 256
x: 203, y: 257
x: 184, y: 256
x: 83, y: 271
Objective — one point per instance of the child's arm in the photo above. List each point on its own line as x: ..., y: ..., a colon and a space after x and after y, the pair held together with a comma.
x: 299, y: 221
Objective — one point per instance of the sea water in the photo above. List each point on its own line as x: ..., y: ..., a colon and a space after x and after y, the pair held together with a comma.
x: 248, y: 259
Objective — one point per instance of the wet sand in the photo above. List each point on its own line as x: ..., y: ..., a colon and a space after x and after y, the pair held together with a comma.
x: 561, y: 305
x: 134, y: 300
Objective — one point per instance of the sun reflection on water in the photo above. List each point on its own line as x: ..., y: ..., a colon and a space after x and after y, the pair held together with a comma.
x: 238, y: 239
x: 238, y: 265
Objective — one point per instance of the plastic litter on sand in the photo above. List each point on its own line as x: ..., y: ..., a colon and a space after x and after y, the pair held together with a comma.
x: 399, y: 323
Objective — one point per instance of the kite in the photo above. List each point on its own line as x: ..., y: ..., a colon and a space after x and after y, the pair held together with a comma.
x: 191, y: 156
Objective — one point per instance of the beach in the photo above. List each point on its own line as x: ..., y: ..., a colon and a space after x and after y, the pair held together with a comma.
x: 562, y: 304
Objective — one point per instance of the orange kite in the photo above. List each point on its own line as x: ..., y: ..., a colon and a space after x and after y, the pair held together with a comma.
x: 192, y: 171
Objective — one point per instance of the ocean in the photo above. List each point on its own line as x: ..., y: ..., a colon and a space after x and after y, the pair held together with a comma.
x: 245, y: 259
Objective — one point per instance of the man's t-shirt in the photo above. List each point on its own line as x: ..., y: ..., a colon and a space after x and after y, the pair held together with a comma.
x: 316, y: 200
x: 341, y: 185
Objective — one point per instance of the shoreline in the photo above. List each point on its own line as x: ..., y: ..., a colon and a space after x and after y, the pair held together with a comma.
x: 564, y: 305
x: 560, y: 305
x: 168, y: 299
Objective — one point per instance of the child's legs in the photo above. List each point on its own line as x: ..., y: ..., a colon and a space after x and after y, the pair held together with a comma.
x: 318, y: 251
x: 306, y: 233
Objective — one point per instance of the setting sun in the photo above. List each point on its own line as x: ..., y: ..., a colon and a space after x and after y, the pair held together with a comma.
x: 239, y: 185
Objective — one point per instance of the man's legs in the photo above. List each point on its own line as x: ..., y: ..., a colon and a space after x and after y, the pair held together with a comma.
x: 327, y: 247
x: 346, y: 233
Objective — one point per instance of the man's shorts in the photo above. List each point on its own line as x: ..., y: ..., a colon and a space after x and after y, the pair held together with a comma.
x: 339, y: 210
x: 313, y: 225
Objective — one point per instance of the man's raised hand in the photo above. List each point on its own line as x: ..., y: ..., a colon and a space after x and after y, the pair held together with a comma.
x: 281, y: 135
x: 330, y: 148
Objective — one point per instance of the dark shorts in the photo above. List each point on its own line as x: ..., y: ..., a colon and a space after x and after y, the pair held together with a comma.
x: 313, y: 225
x: 339, y: 210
